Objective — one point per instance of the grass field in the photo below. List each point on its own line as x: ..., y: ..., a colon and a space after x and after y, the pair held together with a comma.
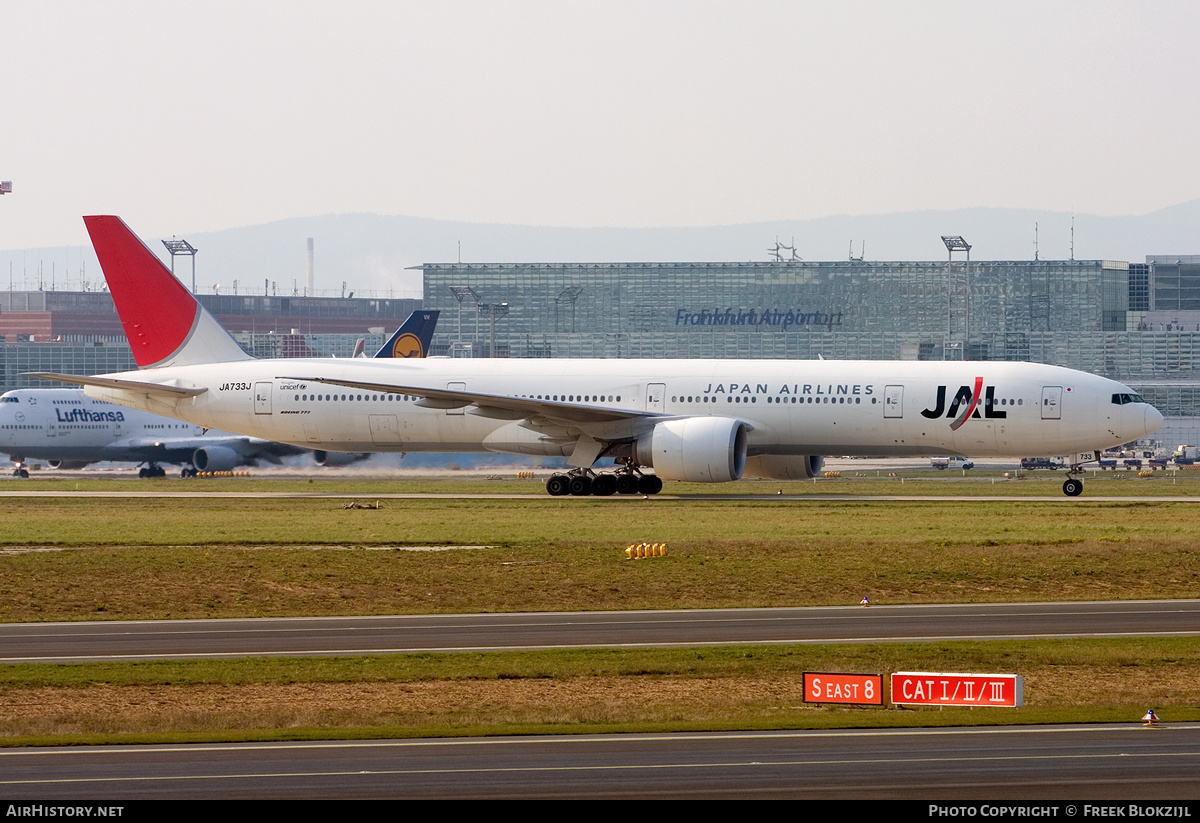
x: 196, y: 556
x: 574, y: 691
x: 71, y: 559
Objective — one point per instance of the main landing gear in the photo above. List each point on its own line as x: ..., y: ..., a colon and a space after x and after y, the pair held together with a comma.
x: 152, y: 470
x: 582, y: 482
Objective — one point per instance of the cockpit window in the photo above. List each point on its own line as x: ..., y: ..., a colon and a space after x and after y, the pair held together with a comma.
x: 1122, y: 399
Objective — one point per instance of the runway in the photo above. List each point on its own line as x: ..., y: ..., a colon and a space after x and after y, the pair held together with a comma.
x: 1035, y: 763
x: 617, y: 499
x: 294, y: 637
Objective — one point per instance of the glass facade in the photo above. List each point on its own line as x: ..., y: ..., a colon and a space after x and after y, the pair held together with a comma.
x: 1093, y: 315
x: 1176, y: 282
x: 855, y: 309
x: 63, y: 358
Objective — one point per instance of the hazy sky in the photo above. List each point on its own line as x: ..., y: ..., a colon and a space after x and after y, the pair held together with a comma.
x: 190, y: 117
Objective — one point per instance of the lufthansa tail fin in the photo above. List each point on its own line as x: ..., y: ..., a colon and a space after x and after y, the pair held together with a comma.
x: 413, y: 337
x: 165, y: 324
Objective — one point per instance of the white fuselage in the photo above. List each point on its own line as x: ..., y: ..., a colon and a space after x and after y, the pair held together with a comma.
x: 791, y: 407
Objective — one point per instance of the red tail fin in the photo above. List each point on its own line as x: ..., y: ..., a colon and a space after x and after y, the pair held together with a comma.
x: 163, y: 321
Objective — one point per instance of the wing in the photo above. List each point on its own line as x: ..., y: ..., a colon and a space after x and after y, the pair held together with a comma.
x: 500, y: 406
x: 183, y: 449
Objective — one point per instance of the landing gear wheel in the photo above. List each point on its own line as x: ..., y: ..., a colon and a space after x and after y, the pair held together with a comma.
x: 604, y: 484
x: 649, y: 484
x: 580, y: 485
x: 558, y: 485
x: 627, y: 484
x: 1073, y: 487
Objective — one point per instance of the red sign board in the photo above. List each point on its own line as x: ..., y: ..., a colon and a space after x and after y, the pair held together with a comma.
x: 933, y: 689
x: 832, y: 687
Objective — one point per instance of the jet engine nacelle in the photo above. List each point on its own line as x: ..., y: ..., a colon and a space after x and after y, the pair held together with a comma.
x: 699, y: 449
x: 215, y: 459
x: 68, y: 464
x: 784, y: 466
x: 324, y: 458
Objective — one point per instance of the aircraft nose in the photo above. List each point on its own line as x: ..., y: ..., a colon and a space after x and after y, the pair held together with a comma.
x: 1153, y: 419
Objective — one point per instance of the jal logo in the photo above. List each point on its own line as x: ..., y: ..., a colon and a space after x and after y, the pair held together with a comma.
x: 965, y: 404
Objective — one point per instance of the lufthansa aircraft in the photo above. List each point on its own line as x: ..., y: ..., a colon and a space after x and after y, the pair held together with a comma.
x: 70, y: 430
x: 695, y: 420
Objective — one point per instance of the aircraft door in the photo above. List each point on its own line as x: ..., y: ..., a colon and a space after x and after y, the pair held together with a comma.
x: 893, y: 401
x: 384, y: 429
x: 656, y: 397
x: 262, y: 397
x: 1051, y: 402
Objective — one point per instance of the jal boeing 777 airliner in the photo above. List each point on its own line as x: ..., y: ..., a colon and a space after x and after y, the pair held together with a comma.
x: 696, y: 420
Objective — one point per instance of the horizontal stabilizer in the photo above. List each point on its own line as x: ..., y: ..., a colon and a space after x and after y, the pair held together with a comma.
x: 121, y: 385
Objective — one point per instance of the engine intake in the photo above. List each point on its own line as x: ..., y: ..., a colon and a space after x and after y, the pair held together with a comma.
x: 324, y: 458
x: 67, y: 464
x: 215, y: 459
x: 698, y: 449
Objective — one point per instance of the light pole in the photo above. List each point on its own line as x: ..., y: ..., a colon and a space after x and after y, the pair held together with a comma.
x: 955, y: 242
x: 182, y: 247
x: 494, y: 311
x: 461, y: 293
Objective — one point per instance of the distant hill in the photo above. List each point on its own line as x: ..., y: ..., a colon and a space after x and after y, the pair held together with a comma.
x: 371, y: 253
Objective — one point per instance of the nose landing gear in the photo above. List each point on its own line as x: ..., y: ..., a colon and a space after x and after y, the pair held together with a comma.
x: 1073, y: 487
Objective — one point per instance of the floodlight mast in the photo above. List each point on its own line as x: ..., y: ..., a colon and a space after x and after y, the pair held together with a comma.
x: 955, y: 242
x: 494, y: 312
x: 461, y: 293
x: 185, y: 248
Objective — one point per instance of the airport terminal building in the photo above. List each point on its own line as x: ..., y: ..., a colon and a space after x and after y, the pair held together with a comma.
x: 1134, y: 322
